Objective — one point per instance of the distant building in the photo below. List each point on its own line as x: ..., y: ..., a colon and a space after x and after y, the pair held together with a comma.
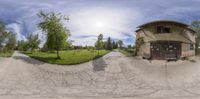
x: 166, y: 39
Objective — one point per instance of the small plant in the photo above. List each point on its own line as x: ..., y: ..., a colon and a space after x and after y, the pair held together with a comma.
x: 139, y: 42
x: 192, y: 60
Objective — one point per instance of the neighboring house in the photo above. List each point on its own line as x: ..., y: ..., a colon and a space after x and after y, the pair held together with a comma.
x: 166, y: 39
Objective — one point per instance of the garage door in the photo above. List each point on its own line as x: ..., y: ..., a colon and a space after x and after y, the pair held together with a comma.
x: 165, y: 49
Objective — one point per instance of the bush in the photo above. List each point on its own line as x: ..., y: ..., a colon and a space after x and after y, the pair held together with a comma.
x: 192, y: 61
x: 128, y: 52
x: 198, y: 51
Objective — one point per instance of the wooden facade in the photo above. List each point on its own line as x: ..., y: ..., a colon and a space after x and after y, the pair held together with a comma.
x: 166, y: 39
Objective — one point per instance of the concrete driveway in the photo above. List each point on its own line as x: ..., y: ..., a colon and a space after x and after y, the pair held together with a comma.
x: 112, y: 76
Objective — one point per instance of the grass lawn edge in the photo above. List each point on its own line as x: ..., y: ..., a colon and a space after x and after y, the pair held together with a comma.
x: 127, y: 54
x: 99, y: 56
x: 7, y: 55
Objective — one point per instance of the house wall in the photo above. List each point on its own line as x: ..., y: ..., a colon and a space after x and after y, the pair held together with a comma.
x: 148, y: 33
x: 186, y: 51
x: 145, y: 48
x: 190, y: 35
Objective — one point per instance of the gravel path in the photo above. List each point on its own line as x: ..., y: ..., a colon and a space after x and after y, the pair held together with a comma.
x: 112, y: 76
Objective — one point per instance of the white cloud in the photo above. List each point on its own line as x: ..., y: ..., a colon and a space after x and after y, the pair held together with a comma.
x: 17, y: 29
x: 42, y: 37
x: 89, y: 41
x: 108, y: 21
x: 115, y: 18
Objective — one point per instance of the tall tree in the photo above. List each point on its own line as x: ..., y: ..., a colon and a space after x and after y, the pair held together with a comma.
x: 120, y: 42
x: 196, y: 27
x: 116, y: 45
x: 99, y: 43
x: 129, y: 46
x: 68, y: 44
x: 11, y: 41
x: 104, y: 44
x: 22, y: 45
x: 33, y: 41
x: 113, y: 45
x: 57, y: 35
x: 109, y: 44
x: 2, y: 26
x: 3, y: 36
x: 3, y: 33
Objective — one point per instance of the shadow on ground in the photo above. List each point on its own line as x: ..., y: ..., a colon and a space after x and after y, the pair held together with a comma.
x: 28, y: 60
x: 99, y: 64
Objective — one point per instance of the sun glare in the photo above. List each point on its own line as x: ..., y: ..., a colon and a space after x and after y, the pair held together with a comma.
x: 99, y: 24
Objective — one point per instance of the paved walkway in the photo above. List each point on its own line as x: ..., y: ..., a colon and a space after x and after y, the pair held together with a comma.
x: 112, y: 76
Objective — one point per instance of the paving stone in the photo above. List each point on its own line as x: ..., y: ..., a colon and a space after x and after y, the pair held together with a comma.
x: 120, y: 77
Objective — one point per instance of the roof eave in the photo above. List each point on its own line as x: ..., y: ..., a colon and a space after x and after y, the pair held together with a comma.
x: 160, y: 21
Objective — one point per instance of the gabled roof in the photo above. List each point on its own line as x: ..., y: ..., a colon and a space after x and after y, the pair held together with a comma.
x: 163, y: 21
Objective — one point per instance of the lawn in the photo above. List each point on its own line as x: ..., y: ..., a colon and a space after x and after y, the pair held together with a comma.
x: 198, y: 51
x: 6, y: 54
x: 127, y: 52
x: 69, y: 57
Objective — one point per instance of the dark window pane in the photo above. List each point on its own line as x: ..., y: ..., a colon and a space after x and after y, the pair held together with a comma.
x: 159, y: 29
x: 191, y: 47
x: 162, y: 29
x: 166, y: 30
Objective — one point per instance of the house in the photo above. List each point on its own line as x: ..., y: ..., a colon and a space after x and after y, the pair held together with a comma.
x: 166, y: 39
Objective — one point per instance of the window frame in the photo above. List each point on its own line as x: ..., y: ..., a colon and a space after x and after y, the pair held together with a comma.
x: 191, y: 46
x: 163, y: 29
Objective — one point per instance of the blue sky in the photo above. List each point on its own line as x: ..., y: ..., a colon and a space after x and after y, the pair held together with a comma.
x: 88, y: 18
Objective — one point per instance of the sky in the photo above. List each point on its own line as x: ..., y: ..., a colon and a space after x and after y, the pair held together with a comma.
x: 117, y: 19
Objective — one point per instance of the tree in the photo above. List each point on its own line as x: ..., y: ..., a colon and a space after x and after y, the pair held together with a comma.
x: 99, y: 43
x: 109, y: 44
x: 3, y: 33
x: 3, y: 36
x: 115, y: 45
x: 33, y: 42
x: 69, y: 44
x: 120, y: 42
x: 196, y: 27
x: 57, y: 35
x: 104, y: 44
x: 22, y: 45
x: 129, y: 46
x: 11, y: 41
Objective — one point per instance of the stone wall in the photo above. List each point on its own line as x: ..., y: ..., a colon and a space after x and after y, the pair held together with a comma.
x: 186, y: 51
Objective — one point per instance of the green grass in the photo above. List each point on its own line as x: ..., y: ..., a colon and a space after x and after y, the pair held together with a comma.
x: 67, y: 57
x: 192, y: 61
x: 127, y: 52
x: 198, y: 51
x: 6, y: 54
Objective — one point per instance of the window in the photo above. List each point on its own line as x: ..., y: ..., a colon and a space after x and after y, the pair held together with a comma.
x: 191, y: 47
x: 163, y: 29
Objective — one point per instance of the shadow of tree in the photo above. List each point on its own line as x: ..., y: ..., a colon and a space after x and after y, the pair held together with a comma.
x: 99, y: 64
x: 28, y: 60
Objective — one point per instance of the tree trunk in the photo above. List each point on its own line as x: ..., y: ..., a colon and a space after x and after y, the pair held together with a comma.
x: 196, y: 47
x: 136, y: 51
x: 58, y: 56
